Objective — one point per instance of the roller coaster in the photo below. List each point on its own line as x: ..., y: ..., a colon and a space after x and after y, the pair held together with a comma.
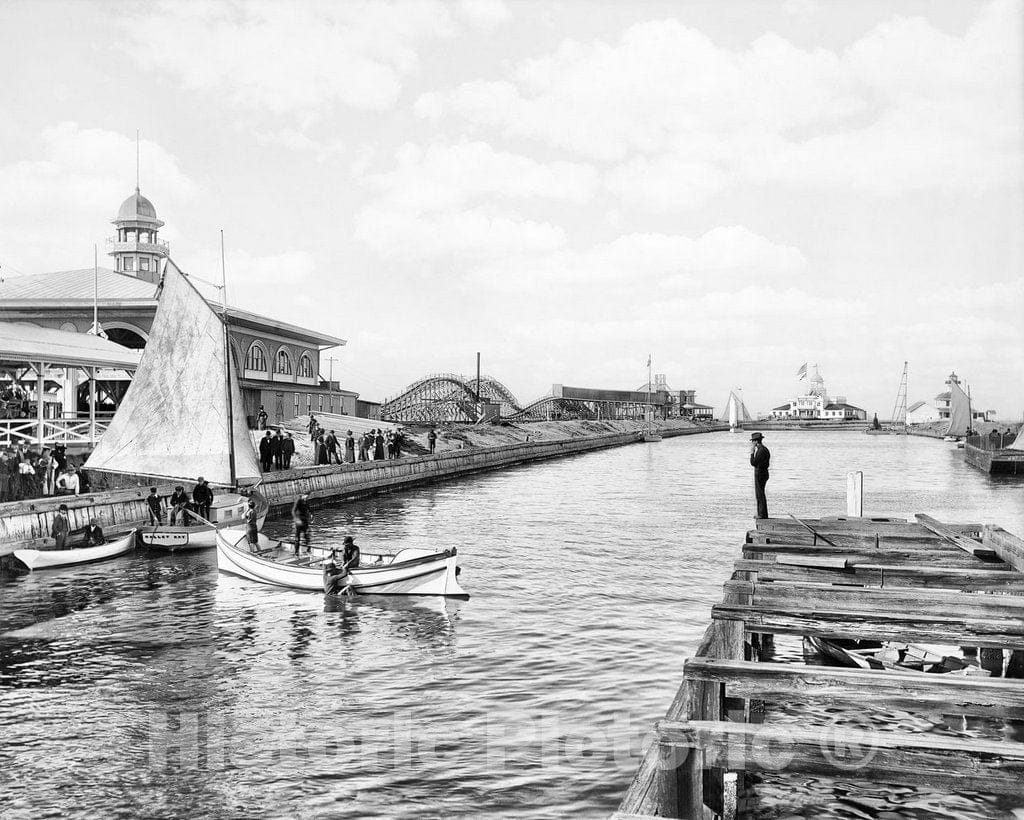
x: 447, y: 397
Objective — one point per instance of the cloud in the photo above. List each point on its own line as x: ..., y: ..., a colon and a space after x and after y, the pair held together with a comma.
x: 485, y: 14
x: 80, y: 178
x: 654, y: 263
x: 679, y: 118
x: 452, y: 237
x: 451, y: 175
x: 287, y: 58
x: 298, y: 141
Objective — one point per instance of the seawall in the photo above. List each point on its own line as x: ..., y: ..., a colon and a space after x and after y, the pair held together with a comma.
x: 24, y: 523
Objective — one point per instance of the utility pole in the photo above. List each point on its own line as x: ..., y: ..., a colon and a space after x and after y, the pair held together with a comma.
x: 330, y: 381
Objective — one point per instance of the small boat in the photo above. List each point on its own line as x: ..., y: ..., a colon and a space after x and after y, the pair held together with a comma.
x: 411, y: 571
x: 893, y: 657
x: 650, y: 435
x: 228, y: 510
x: 48, y: 559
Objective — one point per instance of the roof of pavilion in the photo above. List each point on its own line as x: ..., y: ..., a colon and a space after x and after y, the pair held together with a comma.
x: 28, y: 343
x: 66, y: 285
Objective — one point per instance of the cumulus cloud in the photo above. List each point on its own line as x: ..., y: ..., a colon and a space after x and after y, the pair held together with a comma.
x: 905, y: 107
x: 293, y: 58
x: 80, y: 177
x: 450, y: 175
x: 452, y: 237
x: 485, y: 14
x: 295, y: 140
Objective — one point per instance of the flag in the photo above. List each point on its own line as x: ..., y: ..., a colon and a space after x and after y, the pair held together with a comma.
x: 802, y: 372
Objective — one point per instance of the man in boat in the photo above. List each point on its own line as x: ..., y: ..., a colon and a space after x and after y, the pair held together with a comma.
x: 178, y: 502
x: 252, y: 525
x: 334, y: 578
x: 94, y: 534
x: 349, y: 554
x: 760, y: 457
x: 61, y: 527
x: 202, y: 497
x: 301, y: 518
x: 156, y: 513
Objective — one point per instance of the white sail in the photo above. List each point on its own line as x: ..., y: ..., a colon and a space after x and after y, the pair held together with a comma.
x: 959, y: 411
x: 734, y: 413
x: 1018, y: 443
x: 173, y: 421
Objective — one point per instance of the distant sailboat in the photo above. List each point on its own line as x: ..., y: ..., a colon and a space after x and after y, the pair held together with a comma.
x: 736, y: 412
x: 959, y: 412
x: 182, y: 416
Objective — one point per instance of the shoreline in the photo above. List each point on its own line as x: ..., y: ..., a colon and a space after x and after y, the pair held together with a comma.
x: 25, y: 524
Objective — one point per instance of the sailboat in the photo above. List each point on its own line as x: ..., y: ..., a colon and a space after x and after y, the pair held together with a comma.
x: 650, y: 434
x: 959, y: 413
x: 182, y: 416
x: 736, y: 412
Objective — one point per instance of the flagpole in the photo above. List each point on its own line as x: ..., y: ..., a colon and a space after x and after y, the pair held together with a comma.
x: 95, y: 290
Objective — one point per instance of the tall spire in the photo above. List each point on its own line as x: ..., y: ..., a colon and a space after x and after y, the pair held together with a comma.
x: 137, y: 160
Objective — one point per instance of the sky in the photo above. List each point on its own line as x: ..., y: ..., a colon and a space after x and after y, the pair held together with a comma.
x: 734, y: 187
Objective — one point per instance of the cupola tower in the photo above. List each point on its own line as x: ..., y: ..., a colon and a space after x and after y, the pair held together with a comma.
x: 136, y: 249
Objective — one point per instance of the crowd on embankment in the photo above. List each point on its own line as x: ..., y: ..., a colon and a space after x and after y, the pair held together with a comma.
x: 937, y: 429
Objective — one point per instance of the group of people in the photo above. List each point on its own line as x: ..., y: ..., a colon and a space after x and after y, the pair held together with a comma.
x: 276, y: 450
x: 182, y: 509
x: 28, y: 474
x: 373, y: 445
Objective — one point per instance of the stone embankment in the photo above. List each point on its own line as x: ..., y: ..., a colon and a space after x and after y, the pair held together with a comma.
x: 468, y: 450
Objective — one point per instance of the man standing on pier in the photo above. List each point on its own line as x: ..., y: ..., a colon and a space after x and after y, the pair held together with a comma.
x: 760, y: 458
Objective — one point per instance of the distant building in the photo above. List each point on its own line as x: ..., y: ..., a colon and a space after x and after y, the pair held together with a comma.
x: 815, y: 404
x: 942, y: 402
x: 279, y: 363
x: 675, y: 403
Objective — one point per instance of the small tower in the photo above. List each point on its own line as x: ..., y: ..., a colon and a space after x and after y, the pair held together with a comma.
x: 136, y: 248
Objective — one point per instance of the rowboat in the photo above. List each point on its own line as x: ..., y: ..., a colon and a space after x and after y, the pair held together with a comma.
x: 891, y: 656
x: 228, y: 510
x: 48, y: 559
x: 411, y: 571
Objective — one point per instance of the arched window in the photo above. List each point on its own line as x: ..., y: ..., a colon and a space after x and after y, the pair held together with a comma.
x: 305, y: 366
x: 256, y: 358
x: 283, y: 363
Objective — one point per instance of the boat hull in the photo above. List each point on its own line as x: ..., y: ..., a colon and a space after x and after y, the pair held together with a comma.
x: 229, y: 513
x: 52, y: 559
x: 412, y: 572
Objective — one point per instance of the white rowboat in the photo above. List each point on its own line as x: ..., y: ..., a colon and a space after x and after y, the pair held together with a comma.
x: 412, y: 571
x: 47, y: 559
x: 228, y: 510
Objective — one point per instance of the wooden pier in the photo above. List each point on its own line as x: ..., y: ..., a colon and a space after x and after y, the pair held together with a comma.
x: 889, y: 580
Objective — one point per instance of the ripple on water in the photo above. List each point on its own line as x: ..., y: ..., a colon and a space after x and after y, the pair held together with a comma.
x: 152, y: 686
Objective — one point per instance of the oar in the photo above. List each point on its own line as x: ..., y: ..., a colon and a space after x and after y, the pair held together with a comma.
x: 810, y: 529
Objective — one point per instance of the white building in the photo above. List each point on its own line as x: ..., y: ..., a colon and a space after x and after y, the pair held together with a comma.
x: 943, y: 399
x: 920, y: 412
x: 816, y: 404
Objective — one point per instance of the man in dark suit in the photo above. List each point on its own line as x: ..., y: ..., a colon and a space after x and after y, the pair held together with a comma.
x: 276, y: 453
x: 202, y: 497
x: 265, y: 452
x: 760, y: 458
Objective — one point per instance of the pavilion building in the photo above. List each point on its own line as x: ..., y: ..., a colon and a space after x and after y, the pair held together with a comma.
x: 279, y: 363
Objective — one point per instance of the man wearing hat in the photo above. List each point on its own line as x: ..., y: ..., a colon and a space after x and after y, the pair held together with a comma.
x: 759, y: 460
x: 301, y: 518
x: 202, y: 497
x: 61, y: 527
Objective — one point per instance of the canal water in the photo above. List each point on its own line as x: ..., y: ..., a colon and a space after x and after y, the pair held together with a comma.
x: 153, y: 686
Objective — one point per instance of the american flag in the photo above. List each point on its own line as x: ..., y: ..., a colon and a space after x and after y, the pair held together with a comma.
x: 802, y: 372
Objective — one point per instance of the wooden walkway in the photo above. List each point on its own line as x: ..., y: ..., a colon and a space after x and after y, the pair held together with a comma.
x: 881, y: 579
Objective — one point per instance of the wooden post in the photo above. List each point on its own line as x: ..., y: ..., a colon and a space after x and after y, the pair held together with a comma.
x: 91, y: 373
x: 40, y: 392
x: 855, y: 493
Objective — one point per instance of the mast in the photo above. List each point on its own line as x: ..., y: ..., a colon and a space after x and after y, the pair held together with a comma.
x: 95, y: 291
x: 650, y: 409
x: 899, y: 410
x: 227, y: 361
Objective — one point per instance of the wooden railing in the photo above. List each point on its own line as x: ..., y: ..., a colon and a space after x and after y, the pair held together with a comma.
x: 29, y: 432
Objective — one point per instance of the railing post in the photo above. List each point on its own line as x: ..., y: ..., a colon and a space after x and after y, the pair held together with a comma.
x: 40, y: 393
x: 855, y: 493
x: 91, y: 373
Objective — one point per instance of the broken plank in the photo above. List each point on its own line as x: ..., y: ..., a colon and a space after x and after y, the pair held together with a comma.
x: 1006, y: 545
x: 948, y: 694
x: 952, y: 630
x: 963, y: 542
x: 953, y: 764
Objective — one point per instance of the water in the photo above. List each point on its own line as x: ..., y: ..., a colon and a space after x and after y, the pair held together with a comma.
x: 153, y: 686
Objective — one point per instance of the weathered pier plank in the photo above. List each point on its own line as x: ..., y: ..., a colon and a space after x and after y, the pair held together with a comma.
x: 967, y: 579
x: 1007, y: 546
x: 930, y: 761
x: 864, y: 554
x: 952, y: 630
x: 960, y: 695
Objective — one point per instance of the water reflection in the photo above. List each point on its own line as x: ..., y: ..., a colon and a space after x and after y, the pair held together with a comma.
x: 174, y: 690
